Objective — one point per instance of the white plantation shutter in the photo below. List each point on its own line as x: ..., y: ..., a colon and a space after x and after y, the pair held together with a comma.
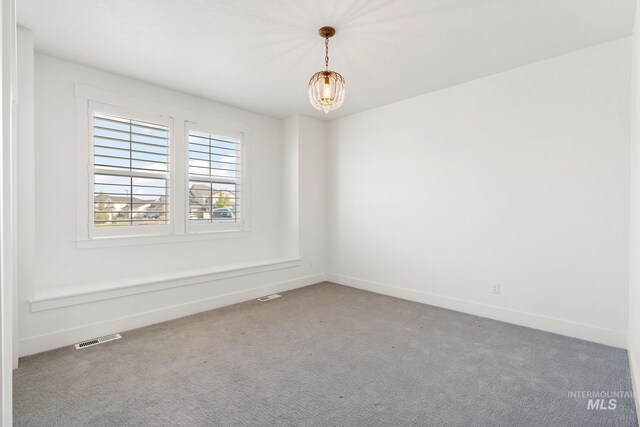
x: 134, y: 181
x: 214, y: 187
x: 130, y: 171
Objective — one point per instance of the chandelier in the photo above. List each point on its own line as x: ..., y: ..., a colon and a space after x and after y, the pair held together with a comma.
x: 326, y: 88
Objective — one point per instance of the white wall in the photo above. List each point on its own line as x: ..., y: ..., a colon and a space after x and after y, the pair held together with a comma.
x: 634, y: 246
x: 58, y: 264
x: 8, y: 208
x: 25, y: 152
x: 520, y: 178
x: 290, y: 185
x: 304, y: 185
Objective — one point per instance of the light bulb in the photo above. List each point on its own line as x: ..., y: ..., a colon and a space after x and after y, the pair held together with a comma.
x: 326, y: 90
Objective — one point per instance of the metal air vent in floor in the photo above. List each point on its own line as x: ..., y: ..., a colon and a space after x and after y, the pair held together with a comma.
x: 269, y: 297
x: 96, y: 341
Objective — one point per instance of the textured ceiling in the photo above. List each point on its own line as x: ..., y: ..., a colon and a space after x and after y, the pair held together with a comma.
x: 259, y: 55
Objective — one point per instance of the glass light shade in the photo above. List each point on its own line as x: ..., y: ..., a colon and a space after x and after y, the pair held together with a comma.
x: 326, y: 90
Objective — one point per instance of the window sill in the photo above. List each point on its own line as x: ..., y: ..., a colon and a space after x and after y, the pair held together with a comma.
x: 109, y: 242
x: 52, y: 298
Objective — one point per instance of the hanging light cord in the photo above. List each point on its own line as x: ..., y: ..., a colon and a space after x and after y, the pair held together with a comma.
x: 326, y: 52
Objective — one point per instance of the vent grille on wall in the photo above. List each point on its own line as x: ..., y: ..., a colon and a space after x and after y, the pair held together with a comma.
x: 96, y: 341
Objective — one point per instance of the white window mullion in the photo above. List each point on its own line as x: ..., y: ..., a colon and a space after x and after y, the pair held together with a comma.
x: 178, y: 183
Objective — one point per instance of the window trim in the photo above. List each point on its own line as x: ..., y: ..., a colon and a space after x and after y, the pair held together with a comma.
x: 181, y: 118
x: 213, y: 129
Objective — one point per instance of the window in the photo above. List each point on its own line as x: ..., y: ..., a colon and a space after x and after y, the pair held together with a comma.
x: 214, y: 185
x: 131, y: 165
x: 157, y: 170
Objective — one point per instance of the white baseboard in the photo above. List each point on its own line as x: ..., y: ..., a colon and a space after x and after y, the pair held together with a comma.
x: 49, y: 341
x: 635, y: 380
x: 545, y: 323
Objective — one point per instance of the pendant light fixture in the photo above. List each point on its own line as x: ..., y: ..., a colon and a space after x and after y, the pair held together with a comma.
x: 326, y: 88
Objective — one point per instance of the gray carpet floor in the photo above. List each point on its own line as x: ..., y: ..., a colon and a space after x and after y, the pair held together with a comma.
x: 325, y: 355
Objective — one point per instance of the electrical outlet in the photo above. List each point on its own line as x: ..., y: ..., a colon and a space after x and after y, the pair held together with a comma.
x: 495, y: 289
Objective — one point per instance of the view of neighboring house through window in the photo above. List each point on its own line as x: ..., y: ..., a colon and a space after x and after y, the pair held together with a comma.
x: 131, y: 172
x: 214, y: 178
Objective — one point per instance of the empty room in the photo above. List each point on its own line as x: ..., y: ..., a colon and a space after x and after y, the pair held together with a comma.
x: 320, y: 213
